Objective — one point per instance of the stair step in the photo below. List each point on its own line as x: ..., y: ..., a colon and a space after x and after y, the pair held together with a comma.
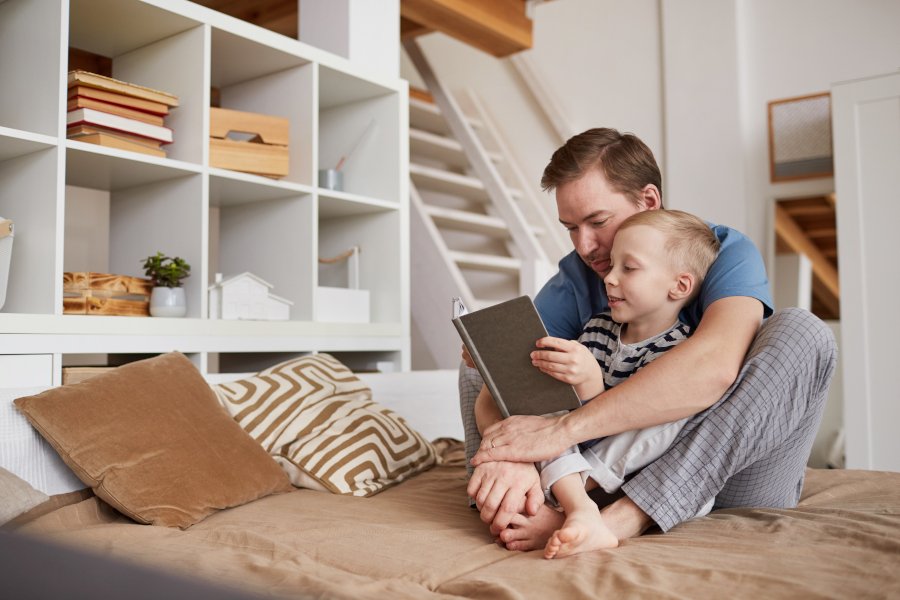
x: 447, y: 182
x: 467, y: 221
x: 486, y: 262
x: 427, y: 116
x: 437, y: 147
x: 441, y: 148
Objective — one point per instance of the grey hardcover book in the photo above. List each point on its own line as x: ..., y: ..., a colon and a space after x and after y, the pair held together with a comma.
x: 500, y: 340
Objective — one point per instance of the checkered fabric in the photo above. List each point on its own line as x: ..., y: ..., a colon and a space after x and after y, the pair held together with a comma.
x: 748, y: 449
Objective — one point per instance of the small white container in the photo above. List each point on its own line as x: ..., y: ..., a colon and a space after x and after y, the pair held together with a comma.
x: 168, y: 302
x: 341, y: 305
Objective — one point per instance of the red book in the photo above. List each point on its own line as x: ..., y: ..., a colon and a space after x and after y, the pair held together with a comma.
x: 154, y: 108
x: 114, y: 109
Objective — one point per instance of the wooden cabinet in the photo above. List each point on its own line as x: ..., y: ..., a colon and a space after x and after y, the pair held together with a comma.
x: 82, y: 207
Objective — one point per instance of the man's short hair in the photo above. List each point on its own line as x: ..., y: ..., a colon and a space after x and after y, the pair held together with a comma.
x: 625, y: 161
x: 690, y: 243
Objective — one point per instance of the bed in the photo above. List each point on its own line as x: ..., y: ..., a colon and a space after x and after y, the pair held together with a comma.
x: 418, y: 538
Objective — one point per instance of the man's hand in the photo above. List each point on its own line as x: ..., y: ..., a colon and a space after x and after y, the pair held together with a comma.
x: 503, y: 489
x: 525, y: 439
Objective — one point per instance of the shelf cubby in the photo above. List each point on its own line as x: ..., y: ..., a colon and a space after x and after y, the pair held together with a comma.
x: 28, y: 197
x: 378, y: 235
x: 255, y: 78
x: 30, y: 52
x: 271, y: 238
x: 155, y: 48
x: 360, y: 121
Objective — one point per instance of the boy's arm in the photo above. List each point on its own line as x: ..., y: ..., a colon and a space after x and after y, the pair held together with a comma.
x: 486, y: 411
x: 684, y: 381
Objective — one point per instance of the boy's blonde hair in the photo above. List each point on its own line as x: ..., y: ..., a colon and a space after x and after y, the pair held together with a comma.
x: 691, y: 244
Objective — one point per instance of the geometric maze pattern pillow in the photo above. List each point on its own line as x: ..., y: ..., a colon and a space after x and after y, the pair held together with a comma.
x: 318, y: 421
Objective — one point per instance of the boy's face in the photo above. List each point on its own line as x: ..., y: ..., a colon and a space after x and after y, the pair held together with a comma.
x: 641, y: 275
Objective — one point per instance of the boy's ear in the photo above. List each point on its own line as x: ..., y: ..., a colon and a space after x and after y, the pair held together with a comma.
x: 684, y: 285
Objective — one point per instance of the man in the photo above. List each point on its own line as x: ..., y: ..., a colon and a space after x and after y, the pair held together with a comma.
x: 753, y: 419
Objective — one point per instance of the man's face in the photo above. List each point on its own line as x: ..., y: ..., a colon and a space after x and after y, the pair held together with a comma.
x: 591, y: 211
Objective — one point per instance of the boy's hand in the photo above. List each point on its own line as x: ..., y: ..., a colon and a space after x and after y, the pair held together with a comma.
x: 467, y: 358
x: 570, y: 362
x: 566, y: 360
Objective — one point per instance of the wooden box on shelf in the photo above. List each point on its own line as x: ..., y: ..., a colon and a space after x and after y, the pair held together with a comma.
x: 266, y: 153
x: 87, y: 293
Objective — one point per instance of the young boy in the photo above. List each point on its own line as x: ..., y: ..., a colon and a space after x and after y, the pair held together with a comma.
x: 658, y: 261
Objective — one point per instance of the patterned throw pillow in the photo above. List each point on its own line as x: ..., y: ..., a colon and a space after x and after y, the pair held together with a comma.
x: 318, y: 421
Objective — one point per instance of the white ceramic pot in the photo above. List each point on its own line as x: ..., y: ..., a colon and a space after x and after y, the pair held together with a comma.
x: 168, y: 302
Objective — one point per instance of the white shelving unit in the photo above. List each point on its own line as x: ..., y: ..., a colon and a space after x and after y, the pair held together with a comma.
x: 81, y: 207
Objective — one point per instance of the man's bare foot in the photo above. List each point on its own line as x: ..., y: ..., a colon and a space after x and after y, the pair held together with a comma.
x: 530, y: 533
x: 583, y: 531
x: 625, y: 519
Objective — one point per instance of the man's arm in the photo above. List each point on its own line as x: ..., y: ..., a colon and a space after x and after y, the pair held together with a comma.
x: 684, y: 381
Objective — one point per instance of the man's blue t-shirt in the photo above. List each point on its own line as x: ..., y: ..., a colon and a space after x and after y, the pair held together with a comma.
x: 576, y: 293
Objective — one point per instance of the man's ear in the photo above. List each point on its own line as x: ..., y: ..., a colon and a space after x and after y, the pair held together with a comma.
x: 651, y: 197
x: 684, y: 285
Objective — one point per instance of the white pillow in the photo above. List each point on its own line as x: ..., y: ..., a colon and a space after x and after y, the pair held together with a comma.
x: 23, y: 452
x: 428, y: 400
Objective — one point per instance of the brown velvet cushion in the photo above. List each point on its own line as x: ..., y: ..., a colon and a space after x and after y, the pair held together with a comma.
x: 152, y: 441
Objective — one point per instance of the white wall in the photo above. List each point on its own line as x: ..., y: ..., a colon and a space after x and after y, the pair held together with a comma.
x: 704, y: 172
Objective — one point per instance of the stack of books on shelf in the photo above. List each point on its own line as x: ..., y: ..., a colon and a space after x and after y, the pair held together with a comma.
x: 118, y: 114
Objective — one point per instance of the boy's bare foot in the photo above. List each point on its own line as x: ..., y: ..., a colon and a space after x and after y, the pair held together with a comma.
x: 583, y: 531
x: 530, y: 533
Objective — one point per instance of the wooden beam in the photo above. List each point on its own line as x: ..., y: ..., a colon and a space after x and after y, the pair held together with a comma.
x: 822, y: 232
x: 831, y: 302
x: 410, y: 29
x: 793, y: 236
x: 498, y: 27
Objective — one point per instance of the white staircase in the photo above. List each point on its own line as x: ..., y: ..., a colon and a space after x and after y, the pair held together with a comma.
x: 477, y: 232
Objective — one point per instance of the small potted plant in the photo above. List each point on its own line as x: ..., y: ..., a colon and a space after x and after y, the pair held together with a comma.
x: 167, y: 298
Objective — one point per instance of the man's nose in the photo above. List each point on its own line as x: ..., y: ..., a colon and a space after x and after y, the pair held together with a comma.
x: 584, y: 241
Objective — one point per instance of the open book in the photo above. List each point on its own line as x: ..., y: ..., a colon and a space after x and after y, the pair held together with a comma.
x: 500, y: 340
